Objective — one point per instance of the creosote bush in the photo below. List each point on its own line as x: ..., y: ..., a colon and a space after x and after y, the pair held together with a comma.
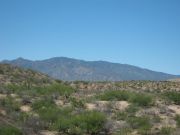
x: 57, y: 88
x: 9, y: 130
x: 115, y: 96
x: 177, y: 118
x: 139, y: 99
x: 90, y: 122
x: 10, y: 104
x: 77, y: 103
x: 166, y: 131
x: 128, y: 113
x: 66, y: 121
x: 142, y: 124
x: 173, y: 96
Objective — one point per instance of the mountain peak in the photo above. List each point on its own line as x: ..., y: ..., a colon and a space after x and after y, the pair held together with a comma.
x: 20, y: 59
x: 73, y: 69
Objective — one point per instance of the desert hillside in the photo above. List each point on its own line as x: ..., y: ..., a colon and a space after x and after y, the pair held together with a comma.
x: 34, y: 104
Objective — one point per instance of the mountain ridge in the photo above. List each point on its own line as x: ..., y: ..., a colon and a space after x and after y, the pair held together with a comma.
x: 70, y: 69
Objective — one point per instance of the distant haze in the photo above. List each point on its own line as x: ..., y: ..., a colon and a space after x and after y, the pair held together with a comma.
x: 69, y: 69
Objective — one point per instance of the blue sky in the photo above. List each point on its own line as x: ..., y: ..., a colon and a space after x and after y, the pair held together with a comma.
x: 144, y: 33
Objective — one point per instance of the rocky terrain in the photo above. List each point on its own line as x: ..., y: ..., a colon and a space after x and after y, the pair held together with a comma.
x: 34, y: 104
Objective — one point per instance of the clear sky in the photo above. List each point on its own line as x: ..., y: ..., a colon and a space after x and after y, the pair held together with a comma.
x: 144, y: 33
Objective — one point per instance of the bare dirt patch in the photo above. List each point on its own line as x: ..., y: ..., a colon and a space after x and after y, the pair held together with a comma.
x: 120, y: 105
x: 14, y: 95
x: 59, y: 102
x: 25, y: 108
x: 3, y: 96
x: 2, y: 112
x: 91, y: 106
x: 175, y: 109
x: 48, y: 133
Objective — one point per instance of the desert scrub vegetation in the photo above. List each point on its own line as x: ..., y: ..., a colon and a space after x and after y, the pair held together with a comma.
x: 9, y: 130
x: 88, y: 122
x: 77, y: 103
x: 123, y: 131
x: 68, y: 121
x: 173, y: 96
x: 129, y: 112
x: 177, y: 118
x: 34, y: 103
x: 148, y: 85
x: 55, y: 88
x: 115, y: 96
x: 166, y: 131
x: 15, y: 75
x: 9, y: 104
x: 142, y: 124
x: 139, y: 99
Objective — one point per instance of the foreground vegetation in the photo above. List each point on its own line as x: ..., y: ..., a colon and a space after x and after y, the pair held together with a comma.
x: 32, y: 106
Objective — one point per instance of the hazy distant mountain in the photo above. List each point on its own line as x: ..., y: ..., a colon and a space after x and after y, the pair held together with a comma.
x: 73, y: 69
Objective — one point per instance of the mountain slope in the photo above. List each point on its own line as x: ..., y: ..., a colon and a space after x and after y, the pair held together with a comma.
x: 73, y: 69
x: 10, y: 74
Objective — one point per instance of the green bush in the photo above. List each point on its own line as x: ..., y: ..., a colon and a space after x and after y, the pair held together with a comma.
x: 78, y: 103
x: 156, y: 119
x: 173, y: 96
x: 90, y: 122
x: 43, y: 103
x: 10, y: 104
x: 129, y: 112
x: 15, y: 88
x: 115, y: 96
x: 141, y: 99
x: 48, y: 111
x: 121, y: 116
x: 166, y: 131
x: 9, y: 130
x: 57, y: 88
x: 132, y: 109
x: 93, y: 122
x: 60, y: 89
x: 1, y: 71
x: 63, y: 124
x: 177, y: 118
x: 123, y: 131
x: 141, y: 123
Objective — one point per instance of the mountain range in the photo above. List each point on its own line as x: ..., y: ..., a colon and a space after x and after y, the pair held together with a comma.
x: 69, y: 69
